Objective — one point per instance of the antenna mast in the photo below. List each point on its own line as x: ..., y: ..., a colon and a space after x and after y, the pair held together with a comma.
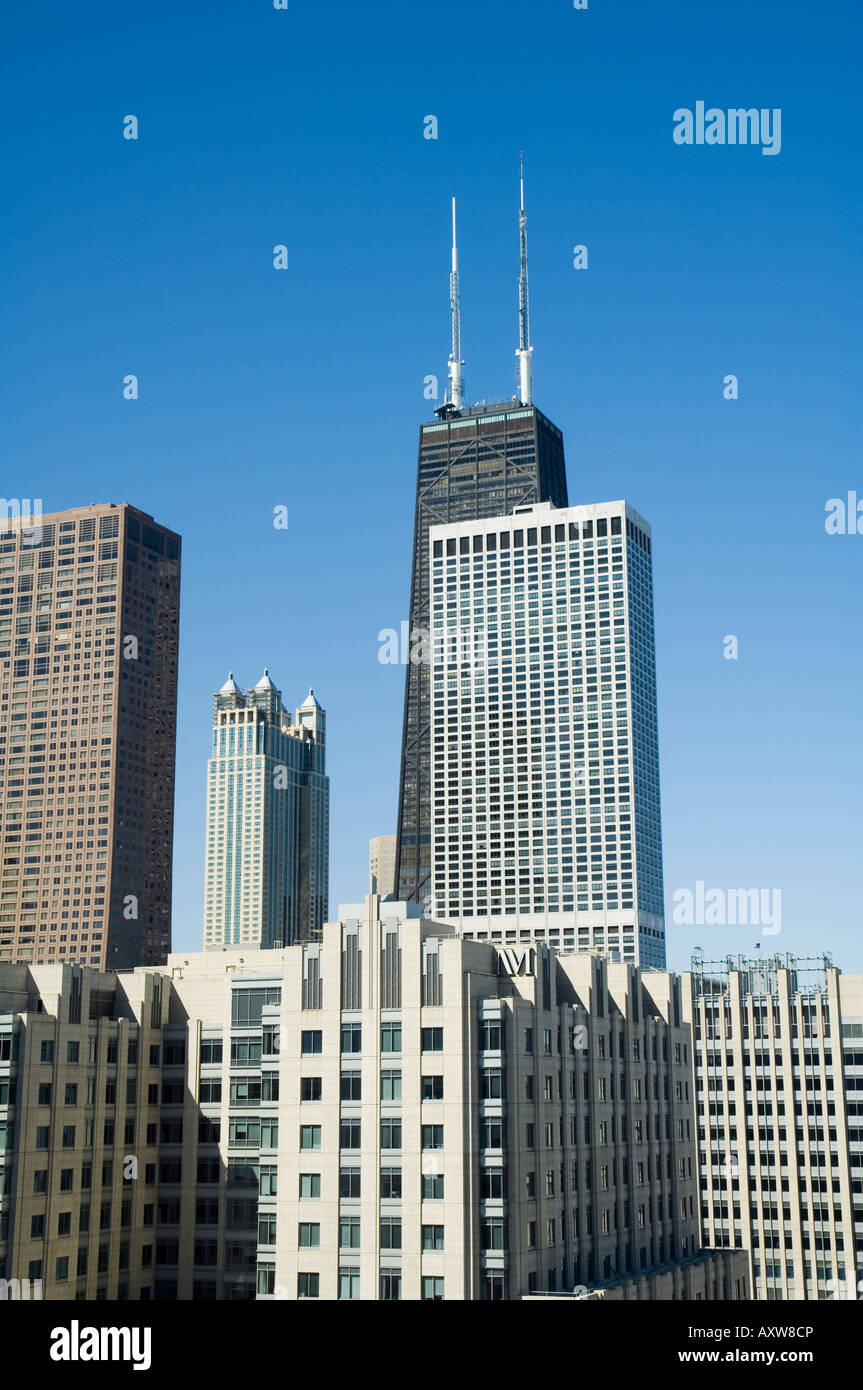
x: 455, y: 362
x: 524, y: 352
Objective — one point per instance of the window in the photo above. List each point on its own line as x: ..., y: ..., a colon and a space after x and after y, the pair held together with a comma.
x: 310, y: 1088
x: 308, y: 1286
x: 391, y: 1085
x: 491, y: 1132
x: 432, y: 1187
x: 73, y: 1052
x: 490, y: 1035
x: 247, y: 1005
x: 349, y: 1134
x: 432, y: 1237
x: 44, y: 1097
x: 432, y: 1287
x: 349, y: 1283
x: 62, y: 1269
x: 312, y: 1042
x: 40, y: 1180
x: 390, y: 1285
x: 349, y: 1233
x: 493, y: 1289
x: 391, y: 1183
x: 349, y: 1182
x: 391, y: 1233
x: 46, y: 1052
x: 206, y: 1211
x: 351, y: 1085
x: 64, y: 1223
x: 310, y: 1136
x: 310, y: 1185
x: 37, y: 1227
x: 42, y: 1136
x: 432, y: 1040
x: 492, y: 1183
x: 492, y: 1233
x: 492, y: 1084
x: 352, y: 1037
x: 391, y: 1037
x: 267, y: 1229
x: 243, y: 1051
x: 528, y: 1040
x: 391, y: 1134
x: 432, y: 1088
x: 266, y: 1279
x: 309, y: 1235
x: 269, y: 1180
x: 432, y: 1136
x: 211, y: 1051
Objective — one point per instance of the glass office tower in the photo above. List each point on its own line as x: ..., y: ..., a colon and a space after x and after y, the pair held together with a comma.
x: 475, y: 462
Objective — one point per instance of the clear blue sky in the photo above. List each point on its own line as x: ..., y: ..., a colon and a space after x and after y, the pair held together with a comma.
x: 304, y: 388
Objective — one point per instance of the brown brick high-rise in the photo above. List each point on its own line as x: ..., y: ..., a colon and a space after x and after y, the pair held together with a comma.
x: 89, y: 619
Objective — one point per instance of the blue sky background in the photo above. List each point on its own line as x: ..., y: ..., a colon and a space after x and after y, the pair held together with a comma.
x: 305, y: 387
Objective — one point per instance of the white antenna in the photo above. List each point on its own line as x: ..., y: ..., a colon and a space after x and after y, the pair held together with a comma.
x: 455, y: 362
x: 524, y: 352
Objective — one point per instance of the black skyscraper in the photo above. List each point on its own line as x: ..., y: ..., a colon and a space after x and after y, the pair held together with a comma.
x: 474, y: 462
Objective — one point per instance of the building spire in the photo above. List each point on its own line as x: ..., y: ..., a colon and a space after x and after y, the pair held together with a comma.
x: 455, y: 363
x: 524, y: 352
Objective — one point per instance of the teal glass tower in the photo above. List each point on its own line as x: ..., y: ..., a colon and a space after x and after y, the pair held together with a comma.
x: 267, y: 820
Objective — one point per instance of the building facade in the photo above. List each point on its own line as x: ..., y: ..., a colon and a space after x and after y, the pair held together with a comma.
x: 393, y: 1112
x: 89, y: 624
x: 545, y: 812
x: 473, y: 462
x: 267, y: 869
x: 89, y: 1091
x: 778, y: 1053
x: 382, y: 865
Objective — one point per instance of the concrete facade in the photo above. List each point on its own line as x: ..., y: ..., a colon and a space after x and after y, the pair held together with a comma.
x: 778, y: 1053
x: 392, y: 1112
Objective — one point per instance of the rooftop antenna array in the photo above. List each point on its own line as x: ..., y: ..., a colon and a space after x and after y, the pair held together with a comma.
x: 456, y: 389
x: 524, y: 352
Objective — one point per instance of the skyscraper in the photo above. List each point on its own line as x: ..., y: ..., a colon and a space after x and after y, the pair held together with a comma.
x: 268, y: 801
x: 89, y: 616
x: 545, y: 811
x: 475, y: 461
x: 382, y: 864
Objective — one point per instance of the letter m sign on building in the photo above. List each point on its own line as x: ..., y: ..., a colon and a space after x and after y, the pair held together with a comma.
x: 513, y: 962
